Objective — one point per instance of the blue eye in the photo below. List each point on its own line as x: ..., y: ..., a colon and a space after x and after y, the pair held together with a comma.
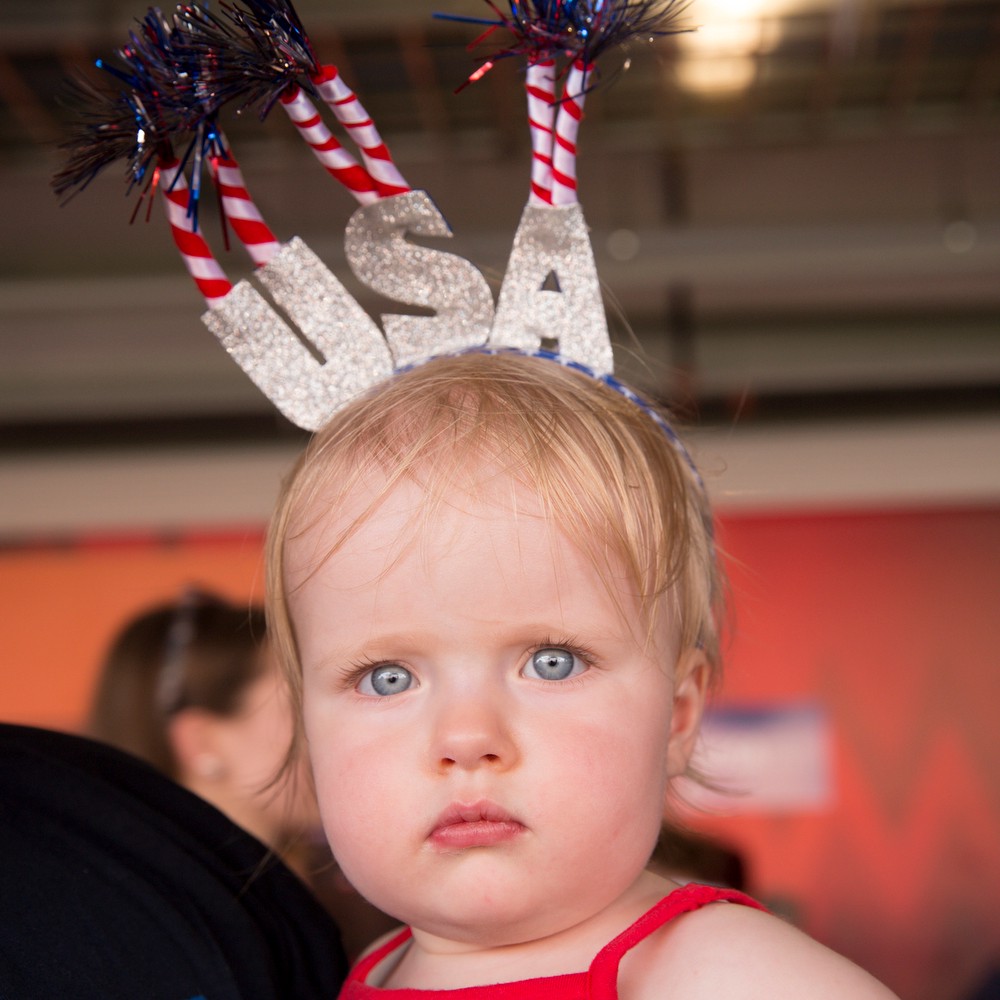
x: 388, y: 679
x: 553, y: 663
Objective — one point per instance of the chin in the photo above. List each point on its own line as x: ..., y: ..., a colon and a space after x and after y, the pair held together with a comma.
x: 473, y: 916
x: 482, y: 930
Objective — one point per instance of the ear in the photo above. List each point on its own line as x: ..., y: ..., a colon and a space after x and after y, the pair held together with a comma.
x: 200, y: 758
x: 690, y: 692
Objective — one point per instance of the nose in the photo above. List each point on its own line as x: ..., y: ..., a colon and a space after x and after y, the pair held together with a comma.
x: 473, y: 730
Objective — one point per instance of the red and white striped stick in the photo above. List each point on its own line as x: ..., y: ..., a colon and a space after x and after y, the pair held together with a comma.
x: 540, y: 85
x: 567, y: 126
x: 351, y: 114
x: 340, y: 164
x: 241, y: 213
x: 198, y: 259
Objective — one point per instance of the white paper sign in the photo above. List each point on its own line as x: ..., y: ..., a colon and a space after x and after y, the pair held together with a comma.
x: 765, y: 759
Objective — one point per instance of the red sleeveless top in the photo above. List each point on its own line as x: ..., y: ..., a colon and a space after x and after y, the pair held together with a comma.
x: 599, y: 982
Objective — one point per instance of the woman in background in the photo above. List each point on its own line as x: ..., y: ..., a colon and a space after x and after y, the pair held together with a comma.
x: 192, y: 687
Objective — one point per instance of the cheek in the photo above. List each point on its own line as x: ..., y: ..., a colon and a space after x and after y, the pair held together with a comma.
x: 360, y: 814
x: 613, y: 788
x: 622, y: 763
x: 354, y: 785
x: 623, y: 772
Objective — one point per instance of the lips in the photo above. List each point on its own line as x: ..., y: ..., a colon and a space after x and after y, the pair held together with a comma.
x: 476, y: 824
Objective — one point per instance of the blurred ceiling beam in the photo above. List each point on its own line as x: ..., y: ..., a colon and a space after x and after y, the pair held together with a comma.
x: 908, y: 73
x: 30, y: 113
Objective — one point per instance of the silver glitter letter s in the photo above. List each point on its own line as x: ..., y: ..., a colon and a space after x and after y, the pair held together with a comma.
x: 553, y: 240
x: 306, y: 390
x: 381, y: 257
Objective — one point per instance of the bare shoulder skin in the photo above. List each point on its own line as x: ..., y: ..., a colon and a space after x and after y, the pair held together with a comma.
x: 730, y: 951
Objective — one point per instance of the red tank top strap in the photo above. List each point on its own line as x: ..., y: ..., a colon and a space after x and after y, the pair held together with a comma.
x: 603, y: 974
x: 364, y: 965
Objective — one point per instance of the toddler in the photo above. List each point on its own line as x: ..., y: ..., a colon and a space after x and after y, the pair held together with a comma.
x: 494, y: 587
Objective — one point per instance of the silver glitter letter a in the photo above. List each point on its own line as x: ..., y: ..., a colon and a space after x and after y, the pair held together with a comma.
x: 553, y: 241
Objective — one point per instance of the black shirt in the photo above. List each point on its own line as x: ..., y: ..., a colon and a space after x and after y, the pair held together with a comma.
x: 118, y: 884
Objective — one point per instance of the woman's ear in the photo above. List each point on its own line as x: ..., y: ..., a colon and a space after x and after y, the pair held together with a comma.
x: 690, y: 692
x: 200, y: 758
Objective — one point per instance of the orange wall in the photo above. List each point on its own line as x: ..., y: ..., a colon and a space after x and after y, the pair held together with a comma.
x: 63, y: 603
x: 891, y: 621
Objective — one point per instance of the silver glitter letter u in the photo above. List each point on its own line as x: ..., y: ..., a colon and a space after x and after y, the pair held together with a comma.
x: 348, y: 352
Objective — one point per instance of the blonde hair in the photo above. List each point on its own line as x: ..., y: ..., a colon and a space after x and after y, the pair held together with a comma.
x: 603, y: 469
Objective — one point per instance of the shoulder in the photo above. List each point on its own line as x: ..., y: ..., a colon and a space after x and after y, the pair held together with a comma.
x: 729, y: 950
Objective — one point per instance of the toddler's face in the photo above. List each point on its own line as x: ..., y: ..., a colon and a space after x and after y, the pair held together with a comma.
x: 491, y: 734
